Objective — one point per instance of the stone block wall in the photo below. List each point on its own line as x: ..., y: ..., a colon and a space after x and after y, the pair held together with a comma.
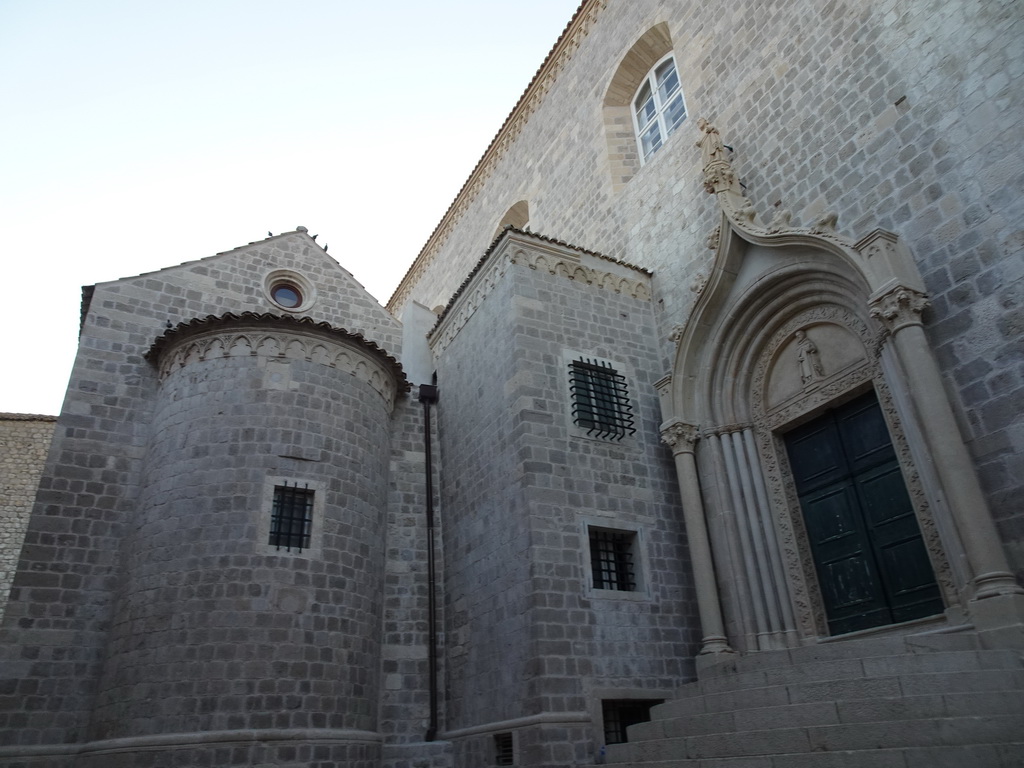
x: 522, y: 486
x: 24, y: 443
x: 65, y: 594
x: 405, y: 639
x: 232, y: 632
x: 902, y: 116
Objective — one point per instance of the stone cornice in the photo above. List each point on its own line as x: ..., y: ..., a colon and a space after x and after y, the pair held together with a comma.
x: 274, y: 336
x: 564, y: 49
x: 517, y: 248
x: 26, y: 417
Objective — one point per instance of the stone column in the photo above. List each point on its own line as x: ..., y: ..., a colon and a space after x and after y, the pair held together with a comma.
x: 899, y: 310
x: 681, y: 438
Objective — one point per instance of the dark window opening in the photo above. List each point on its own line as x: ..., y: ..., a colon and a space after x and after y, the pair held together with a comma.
x: 611, y: 559
x: 291, y: 519
x: 619, y: 714
x: 503, y: 749
x: 600, y: 400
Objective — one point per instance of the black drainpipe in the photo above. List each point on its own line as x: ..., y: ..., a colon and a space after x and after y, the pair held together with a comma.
x: 428, y: 395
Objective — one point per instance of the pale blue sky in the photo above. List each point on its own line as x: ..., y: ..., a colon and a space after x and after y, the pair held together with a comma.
x: 136, y: 135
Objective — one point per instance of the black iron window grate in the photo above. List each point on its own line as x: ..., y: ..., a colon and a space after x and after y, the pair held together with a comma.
x: 611, y: 559
x: 291, y: 519
x: 600, y: 400
x: 503, y: 749
x: 619, y: 714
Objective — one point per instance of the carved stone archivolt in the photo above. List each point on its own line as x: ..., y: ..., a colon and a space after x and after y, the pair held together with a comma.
x: 271, y: 337
x: 780, y: 344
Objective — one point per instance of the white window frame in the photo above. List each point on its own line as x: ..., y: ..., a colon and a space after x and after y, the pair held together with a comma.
x: 663, y: 106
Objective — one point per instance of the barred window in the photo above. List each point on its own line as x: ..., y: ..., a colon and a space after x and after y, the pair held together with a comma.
x: 291, y: 518
x: 503, y: 753
x: 611, y: 559
x: 619, y: 714
x: 600, y: 399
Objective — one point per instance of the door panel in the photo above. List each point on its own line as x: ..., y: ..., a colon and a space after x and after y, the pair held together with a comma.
x: 872, y: 564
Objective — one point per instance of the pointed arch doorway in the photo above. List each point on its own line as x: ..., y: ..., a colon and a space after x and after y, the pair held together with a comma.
x: 790, y: 325
x: 818, y: 520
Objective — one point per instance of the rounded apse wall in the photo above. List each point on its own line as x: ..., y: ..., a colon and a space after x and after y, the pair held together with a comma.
x: 253, y: 574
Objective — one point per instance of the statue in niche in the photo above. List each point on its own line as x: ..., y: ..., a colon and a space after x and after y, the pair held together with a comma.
x: 808, y: 360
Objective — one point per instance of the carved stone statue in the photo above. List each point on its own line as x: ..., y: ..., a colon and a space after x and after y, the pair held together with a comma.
x: 710, y: 143
x: 808, y: 360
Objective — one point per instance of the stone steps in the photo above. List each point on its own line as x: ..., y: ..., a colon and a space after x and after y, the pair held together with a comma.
x: 896, y: 734
x: 880, y: 666
x: 841, y: 689
x: 853, y: 711
x: 889, y: 701
x: 866, y: 648
x: 1008, y: 755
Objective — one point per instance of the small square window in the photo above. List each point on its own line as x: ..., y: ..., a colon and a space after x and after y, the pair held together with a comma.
x: 600, y: 399
x: 503, y: 752
x: 619, y: 714
x: 612, y: 558
x: 291, y: 518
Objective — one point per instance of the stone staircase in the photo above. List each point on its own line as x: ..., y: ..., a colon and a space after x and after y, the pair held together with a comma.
x: 923, y: 701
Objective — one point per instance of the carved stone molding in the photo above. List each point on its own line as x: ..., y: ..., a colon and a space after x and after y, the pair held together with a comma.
x: 456, y: 316
x: 680, y: 436
x: 829, y: 387
x: 565, y: 264
x: 570, y: 268
x: 899, y: 307
x: 280, y: 344
x: 782, y: 220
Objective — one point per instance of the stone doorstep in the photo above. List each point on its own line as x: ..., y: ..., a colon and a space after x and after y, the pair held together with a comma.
x: 826, y: 691
x: 885, y: 646
x: 906, y: 663
x: 1008, y: 755
x: 898, y: 734
x: 926, y: 706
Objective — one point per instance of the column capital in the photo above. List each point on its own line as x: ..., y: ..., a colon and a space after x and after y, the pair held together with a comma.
x: 899, y: 307
x: 679, y: 436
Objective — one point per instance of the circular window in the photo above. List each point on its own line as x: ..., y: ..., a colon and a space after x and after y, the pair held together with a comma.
x: 289, y: 290
x: 287, y: 295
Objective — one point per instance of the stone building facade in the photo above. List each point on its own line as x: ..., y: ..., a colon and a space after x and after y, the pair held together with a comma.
x: 710, y: 429
x: 24, y: 441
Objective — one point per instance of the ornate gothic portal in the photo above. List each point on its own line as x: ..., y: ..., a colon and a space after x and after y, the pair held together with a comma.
x: 820, y: 465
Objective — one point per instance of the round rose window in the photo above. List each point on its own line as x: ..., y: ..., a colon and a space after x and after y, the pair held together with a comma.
x: 288, y: 290
x: 286, y: 295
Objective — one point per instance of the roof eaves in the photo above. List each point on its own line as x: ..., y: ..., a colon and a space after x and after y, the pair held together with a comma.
x: 520, y: 105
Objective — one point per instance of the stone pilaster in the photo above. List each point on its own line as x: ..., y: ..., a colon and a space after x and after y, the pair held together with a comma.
x: 899, y: 310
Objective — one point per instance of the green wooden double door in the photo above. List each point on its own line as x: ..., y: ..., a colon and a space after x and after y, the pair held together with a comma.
x: 871, y: 561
